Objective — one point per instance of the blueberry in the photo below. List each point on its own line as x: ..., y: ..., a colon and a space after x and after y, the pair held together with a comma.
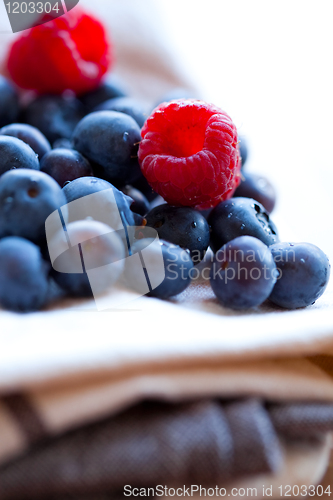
x: 125, y: 105
x: 238, y: 217
x: 158, y: 202
x: 27, y: 198
x: 259, y: 188
x: 110, y: 140
x: 171, y: 274
x: 142, y: 185
x: 182, y: 226
x: 94, y: 261
x: 23, y: 275
x: 304, y: 274
x: 140, y: 204
x: 206, y: 212
x: 65, y: 165
x: 30, y: 135
x: 54, y: 115
x: 15, y: 153
x: 102, y: 208
x: 243, y: 149
x: 243, y: 273
x: 107, y: 90
x: 62, y: 143
x: 9, y: 103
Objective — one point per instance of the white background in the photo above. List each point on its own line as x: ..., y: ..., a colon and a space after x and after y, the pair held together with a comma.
x: 269, y: 65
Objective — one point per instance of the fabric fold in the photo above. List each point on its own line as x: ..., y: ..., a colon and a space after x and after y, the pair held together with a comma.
x: 208, y: 442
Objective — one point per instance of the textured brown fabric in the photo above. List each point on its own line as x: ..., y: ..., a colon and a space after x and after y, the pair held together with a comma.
x: 299, y: 420
x: 26, y: 417
x: 150, y: 444
x: 255, y: 443
x: 207, y: 442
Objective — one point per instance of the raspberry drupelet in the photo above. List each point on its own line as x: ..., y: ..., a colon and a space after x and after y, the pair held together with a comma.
x: 189, y: 153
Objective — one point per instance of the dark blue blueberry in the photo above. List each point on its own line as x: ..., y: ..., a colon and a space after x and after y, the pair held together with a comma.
x: 62, y: 143
x: 65, y: 165
x: 206, y: 212
x: 238, y: 217
x: 109, y: 89
x: 259, y: 188
x: 243, y: 149
x: 170, y: 271
x: 94, y: 247
x: 55, y: 116
x: 182, y: 226
x: 27, y: 198
x: 125, y: 105
x: 30, y: 135
x: 243, y: 273
x: 23, y: 275
x: 110, y: 140
x: 142, y: 185
x: 304, y: 274
x: 15, y: 153
x: 103, y: 207
x: 157, y: 202
x: 9, y: 103
x: 176, y: 93
x: 140, y: 204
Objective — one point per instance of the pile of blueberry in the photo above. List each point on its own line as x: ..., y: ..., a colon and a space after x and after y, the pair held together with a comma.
x: 59, y: 149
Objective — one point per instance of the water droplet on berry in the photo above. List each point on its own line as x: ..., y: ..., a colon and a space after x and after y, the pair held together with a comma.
x: 230, y: 215
x: 13, y: 168
x: 242, y: 226
x: 199, y: 239
x: 125, y: 136
x: 9, y: 199
x: 93, y: 181
x: 194, y: 224
x: 302, y: 261
x: 67, y: 182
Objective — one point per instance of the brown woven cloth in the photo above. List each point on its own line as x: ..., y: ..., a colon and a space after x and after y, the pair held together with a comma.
x: 205, y: 442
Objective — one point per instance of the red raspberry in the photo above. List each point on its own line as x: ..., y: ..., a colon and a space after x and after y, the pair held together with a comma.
x: 70, y: 52
x: 189, y: 153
